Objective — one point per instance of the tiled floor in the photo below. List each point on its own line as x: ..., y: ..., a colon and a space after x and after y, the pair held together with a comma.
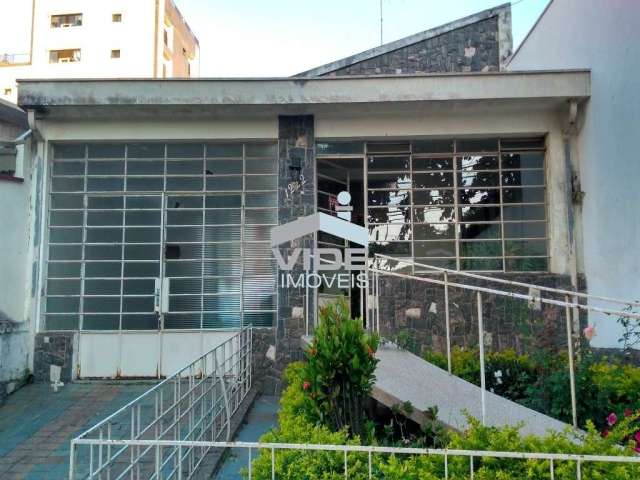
x: 262, y: 417
x: 36, y: 425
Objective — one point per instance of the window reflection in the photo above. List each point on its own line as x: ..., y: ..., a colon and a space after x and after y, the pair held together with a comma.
x: 482, y: 207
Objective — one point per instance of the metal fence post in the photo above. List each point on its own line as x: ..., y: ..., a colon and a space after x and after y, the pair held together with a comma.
x: 483, y: 387
x: 273, y: 463
x: 72, y: 460
x: 446, y: 465
x: 572, y: 375
x: 377, y: 303
x: 579, y: 470
x: 447, y: 319
x: 471, y: 467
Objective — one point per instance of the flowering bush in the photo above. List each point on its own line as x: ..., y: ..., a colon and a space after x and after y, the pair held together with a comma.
x: 297, y: 425
x: 541, y: 381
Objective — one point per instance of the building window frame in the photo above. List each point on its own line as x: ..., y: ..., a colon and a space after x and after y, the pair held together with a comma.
x: 67, y: 55
x: 444, y: 192
x: 82, y: 173
x: 66, y: 20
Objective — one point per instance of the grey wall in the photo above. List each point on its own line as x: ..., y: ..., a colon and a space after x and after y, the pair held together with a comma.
x: 601, y: 36
x: 296, y: 198
x: 472, y: 48
x: 413, y: 314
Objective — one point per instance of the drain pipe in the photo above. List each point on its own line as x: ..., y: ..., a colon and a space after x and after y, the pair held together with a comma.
x: 39, y: 210
x: 574, y: 197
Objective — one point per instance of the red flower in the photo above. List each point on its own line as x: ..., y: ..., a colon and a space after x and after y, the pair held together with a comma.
x: 306, y: 385
x: 636, y: 437
x: 612, y: 419
x: 605, y: 434
x: 628, y: 412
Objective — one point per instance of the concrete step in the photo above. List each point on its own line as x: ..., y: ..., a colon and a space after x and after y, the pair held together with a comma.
x: 402, y: 376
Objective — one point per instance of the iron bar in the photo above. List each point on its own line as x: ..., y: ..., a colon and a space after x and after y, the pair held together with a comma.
x: 483, y: 386
x: 532, y: 298
x: 572, y: 375
x: 513, y: 283
x: 447, y: 320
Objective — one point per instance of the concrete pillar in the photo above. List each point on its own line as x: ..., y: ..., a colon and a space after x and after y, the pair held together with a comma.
x: 296, y: 198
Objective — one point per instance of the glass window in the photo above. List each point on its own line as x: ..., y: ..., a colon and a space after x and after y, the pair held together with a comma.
x: 105, y: 247
x: 66, y: 20
x: 476, y: 204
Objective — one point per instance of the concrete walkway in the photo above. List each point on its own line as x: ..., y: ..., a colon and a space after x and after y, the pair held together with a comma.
x: 262, y: 417
x: 37, y: 424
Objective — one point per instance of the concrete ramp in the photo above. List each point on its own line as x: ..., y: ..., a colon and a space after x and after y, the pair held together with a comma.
x: 402, y: 376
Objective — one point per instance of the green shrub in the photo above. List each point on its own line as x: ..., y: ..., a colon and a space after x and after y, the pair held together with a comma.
x: 339, y: 372
x: 506, y: 373
x: 541, y: 381
x: 296, y: 426
x: 550, y: 393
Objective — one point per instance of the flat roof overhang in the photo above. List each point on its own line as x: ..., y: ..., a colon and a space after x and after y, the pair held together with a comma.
x: 200, y: 98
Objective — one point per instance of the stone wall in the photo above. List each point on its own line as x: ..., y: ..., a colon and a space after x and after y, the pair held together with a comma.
x: 296, y: 198
x: 54, y: 348
x: 472, y: 48
x: 270, y: 358
x: 413, y: 313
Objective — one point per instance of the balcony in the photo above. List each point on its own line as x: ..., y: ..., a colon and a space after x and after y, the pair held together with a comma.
x: 9, y: 59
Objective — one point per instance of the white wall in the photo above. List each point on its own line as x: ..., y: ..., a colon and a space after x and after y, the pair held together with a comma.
x: 97, y: 36
x: 15, y: 290
x: 603, y: 36
x: 14, y: 231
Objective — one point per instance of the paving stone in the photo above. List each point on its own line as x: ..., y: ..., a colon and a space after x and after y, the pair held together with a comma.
x: 37, y: 424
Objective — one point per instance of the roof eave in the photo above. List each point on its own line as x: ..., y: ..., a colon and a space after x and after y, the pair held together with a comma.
x: 35, y: 94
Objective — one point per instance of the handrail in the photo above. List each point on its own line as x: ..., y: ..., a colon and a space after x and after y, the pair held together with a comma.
x: 522, y: 296
x: 573, y: 293
x: 159, y: 385
x: 366, y: 449
x: 167, y: 413
x: 444, y: 453
x: 570, y: 302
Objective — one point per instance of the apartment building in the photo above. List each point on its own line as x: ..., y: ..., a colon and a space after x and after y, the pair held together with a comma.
x: 108, y: 39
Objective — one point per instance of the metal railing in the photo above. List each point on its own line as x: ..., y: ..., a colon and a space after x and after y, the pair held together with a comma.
x: 168, y: 431
x: 14, y: 58
x: 358, y: 456
x: 569, y: 300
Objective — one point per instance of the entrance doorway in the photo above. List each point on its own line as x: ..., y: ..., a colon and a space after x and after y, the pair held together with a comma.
x: 335, y: 175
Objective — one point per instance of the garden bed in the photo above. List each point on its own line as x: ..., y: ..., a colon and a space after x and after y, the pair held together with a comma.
x: 327, y: 402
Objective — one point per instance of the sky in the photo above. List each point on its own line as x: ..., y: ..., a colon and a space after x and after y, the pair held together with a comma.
x: 264, y: 38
